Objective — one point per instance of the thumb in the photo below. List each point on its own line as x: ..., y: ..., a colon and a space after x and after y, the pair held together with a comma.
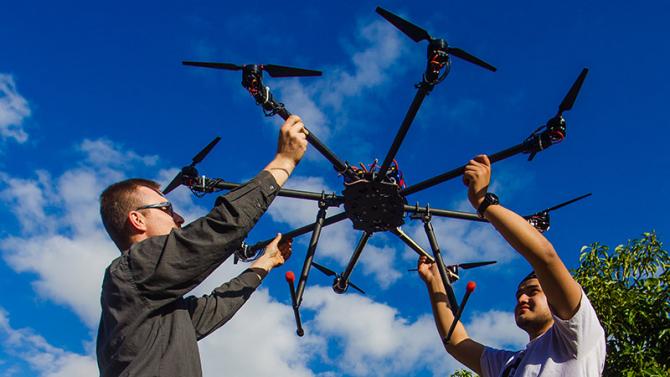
x: 484, y: 159
x: 275, y: 241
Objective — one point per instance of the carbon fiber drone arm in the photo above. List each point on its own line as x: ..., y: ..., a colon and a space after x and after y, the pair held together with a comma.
x: 207, y: 185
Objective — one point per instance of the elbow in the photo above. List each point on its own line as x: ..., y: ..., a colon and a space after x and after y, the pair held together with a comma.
x: 546, y: 253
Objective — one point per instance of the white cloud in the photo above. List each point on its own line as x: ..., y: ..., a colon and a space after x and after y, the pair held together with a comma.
x: 42, y: 357
x: 299, y: 99
x: 70, y: 269
x: 373, y: 64
x: 69, y: 249
x: 259, y: 340
x: 322, y: 103
x: 496, y: 329
x: 374, y: 339
x: 105, y: 153
x: 27, y: 200
x: 14, y: 110
x: 299, y: 212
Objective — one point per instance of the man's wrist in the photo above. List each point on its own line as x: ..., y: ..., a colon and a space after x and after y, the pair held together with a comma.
x: 490, y: 199
x: 476, y: 202
x: 435, y: 285
x: 283, y: 162
x: 260, y: 272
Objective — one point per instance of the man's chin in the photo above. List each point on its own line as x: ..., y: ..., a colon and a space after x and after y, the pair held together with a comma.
x: 523, y: 319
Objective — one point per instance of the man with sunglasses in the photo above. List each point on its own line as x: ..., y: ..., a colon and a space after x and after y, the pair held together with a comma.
x: 565, y: 336
x: 147, y: 326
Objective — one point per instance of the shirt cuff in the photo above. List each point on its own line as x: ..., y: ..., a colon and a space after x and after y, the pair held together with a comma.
x: 253, y: 277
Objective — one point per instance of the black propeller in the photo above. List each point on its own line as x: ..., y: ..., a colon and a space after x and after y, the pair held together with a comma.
x: 190, y: 169
x: 555, y: 129
x: 418, y: 34
x: 570, y: 98
x: 272, y: 69
x: 541, y: 221
x: 329, y: 272
x: 466, y: 266
x: 566, y: 203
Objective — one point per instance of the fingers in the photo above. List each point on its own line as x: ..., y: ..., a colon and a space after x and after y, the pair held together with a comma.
x: 291, y: 121
x: 477, y: 168
x: 286, y: 248
x: 294, y: 125
x: 483, y: 159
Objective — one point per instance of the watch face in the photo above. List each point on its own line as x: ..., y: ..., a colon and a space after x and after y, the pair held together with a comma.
x: 492, y: 198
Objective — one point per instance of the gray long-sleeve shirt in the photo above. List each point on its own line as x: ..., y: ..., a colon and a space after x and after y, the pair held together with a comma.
x: 147, y: 327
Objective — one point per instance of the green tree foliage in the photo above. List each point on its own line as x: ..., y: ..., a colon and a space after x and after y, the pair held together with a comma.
x: 462, y: 373
x: 628, y: 288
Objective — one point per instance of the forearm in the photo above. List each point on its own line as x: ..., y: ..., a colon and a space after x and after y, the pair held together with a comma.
x: 563, y: 293
x: 522, y: 236
x: 280, y: 168
x: 460, y: 346
x: 210, y: 312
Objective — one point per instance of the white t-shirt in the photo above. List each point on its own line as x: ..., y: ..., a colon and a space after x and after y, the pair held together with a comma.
x: 570, y: 348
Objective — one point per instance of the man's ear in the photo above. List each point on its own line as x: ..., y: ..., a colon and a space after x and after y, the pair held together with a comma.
x: 137, y: 221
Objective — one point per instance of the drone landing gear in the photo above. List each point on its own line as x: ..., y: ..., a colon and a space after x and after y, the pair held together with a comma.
x: 444, y: 274
x: 341, y: 282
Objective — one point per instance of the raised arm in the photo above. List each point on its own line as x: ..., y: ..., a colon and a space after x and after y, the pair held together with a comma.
x: 169, y: 266
x: 460, y: 346
x: 562, y: 291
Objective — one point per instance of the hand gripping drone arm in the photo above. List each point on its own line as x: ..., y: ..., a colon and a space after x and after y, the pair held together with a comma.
x: 253, y: 82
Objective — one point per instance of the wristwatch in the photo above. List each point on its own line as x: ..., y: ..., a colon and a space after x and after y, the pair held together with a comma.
x: 489, y: 200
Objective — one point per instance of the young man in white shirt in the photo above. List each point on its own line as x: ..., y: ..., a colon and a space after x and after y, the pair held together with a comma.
x: 566, y: 338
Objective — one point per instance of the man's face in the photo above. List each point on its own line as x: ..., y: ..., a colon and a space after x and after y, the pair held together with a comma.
x: 532, y: 310
x: 158, y: 221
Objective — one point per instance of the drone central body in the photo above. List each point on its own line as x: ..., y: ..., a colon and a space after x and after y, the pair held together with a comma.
x: 375, y: 196
x: 374, y: 206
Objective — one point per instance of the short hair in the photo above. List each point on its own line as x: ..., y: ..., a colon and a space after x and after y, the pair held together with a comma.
x: 116, y: 201
x: 531, y: 275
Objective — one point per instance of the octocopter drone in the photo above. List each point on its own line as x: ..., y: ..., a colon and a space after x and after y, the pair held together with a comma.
x: 375, y: 196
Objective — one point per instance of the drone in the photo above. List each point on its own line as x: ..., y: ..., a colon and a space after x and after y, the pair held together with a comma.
x: 375, y: 196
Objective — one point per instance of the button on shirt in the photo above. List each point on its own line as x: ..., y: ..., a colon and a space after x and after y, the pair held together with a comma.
x: 147, y: 327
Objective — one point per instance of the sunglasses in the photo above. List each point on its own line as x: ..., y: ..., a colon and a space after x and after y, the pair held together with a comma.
x: 164, y: 206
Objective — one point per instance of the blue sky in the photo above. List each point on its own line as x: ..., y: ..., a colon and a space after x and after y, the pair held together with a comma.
x: 91, y: 93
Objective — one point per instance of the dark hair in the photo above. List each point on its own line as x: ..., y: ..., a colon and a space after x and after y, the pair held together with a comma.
x: 531, y: 275
x: 116, y: 202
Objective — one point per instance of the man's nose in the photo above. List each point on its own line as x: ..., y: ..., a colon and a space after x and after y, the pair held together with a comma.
x: 178, y: 219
